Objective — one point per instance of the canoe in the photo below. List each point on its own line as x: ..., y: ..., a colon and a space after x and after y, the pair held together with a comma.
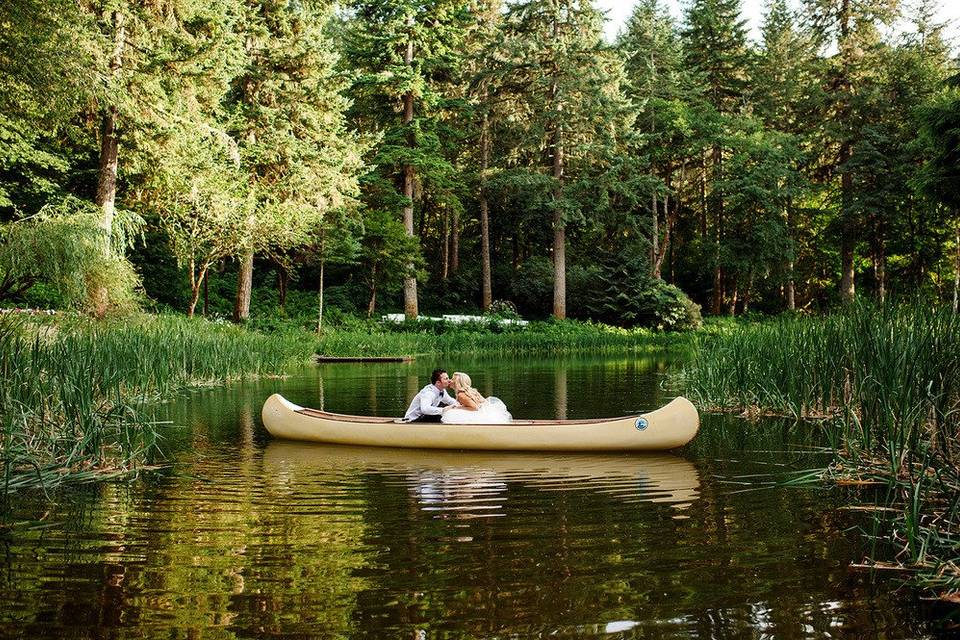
x: 669, y: 427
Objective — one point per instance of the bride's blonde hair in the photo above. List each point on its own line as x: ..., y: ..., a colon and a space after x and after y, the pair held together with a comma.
x: 463, y: 384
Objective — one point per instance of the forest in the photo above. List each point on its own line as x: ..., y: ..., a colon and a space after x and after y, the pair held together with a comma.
x: 450, y: 155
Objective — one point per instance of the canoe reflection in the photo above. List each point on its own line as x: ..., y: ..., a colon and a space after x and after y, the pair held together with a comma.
x: 476, y: 483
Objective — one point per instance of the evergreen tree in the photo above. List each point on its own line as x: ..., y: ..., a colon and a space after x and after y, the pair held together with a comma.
x: 288, y: 113
x: 662, y: 90
x: 783, y: 83
x: 571, y: 104
x: 715, y: 49
x: 402, y: 51
x: 851, y: 27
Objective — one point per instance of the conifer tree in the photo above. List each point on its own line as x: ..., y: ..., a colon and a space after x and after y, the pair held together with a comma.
x: 402, y: 49
x: 288, y: 113
x: 715, y: 48
x: 851, y: 27
x: 573, y: 109
x: 662, y: 90
x: 783, y: 83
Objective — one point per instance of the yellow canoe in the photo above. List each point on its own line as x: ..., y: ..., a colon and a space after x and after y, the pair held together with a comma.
x: 669, y: 427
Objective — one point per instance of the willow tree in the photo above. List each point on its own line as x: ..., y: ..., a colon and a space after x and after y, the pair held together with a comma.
x: 570, y: 105
x: 288, y: 115
x: 403, y: 49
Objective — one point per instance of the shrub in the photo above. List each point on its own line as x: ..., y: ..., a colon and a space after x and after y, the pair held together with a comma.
x: 626, y: 295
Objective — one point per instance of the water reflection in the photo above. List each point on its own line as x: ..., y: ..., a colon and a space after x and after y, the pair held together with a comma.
x: 475, y: 484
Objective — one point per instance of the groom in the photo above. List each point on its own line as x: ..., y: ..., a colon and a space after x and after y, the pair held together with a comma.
x: 427, y: 406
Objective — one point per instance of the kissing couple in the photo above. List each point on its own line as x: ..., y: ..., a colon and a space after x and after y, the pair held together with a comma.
x: 434, y: 404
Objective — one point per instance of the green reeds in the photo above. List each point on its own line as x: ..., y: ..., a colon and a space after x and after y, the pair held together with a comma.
x: 73, y: 394
x: 885, y: 383
x: 537, y: 338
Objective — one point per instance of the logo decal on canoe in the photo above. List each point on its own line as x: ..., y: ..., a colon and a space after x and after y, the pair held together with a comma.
x: 641, y: 424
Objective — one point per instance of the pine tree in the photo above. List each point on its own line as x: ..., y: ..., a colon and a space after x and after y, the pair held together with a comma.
x: 715, y: 49
x: 403, y: 49
x: 572, y: 112
x: 288, y: 112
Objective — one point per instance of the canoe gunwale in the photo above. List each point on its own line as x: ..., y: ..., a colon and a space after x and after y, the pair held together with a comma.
x: 344, y: 417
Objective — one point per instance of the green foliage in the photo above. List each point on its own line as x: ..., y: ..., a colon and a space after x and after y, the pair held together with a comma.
x: 532, y: 285
x: 624, y: 294
x: 64, y: 248
x: 426, y: 337
x: 389, y: 254
x: 73, y: 394
x: 885, y: 384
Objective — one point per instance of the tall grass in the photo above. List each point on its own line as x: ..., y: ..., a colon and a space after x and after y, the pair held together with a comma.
x: 885, y: 382
x: 436, y: 338
x: 73, y: 395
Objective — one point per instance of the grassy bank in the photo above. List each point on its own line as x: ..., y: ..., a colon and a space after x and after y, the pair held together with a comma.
x: 490, y: 338
x: 885, y: 383
x: 73, y: 392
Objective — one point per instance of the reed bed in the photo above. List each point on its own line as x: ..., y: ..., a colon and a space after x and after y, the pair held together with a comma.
x: 440, y: 338
x: 885, y: 383
x: 74, y: 394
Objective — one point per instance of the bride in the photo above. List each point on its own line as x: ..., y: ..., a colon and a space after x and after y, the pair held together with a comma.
x: 473, y: 408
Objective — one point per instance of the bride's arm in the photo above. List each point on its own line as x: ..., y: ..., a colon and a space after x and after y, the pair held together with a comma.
x: 466, y: 402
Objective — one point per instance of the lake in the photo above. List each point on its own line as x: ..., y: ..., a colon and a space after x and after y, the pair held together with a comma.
x: 244, y: 537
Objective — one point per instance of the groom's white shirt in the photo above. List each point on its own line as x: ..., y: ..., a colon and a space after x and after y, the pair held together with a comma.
x: 428, y: 403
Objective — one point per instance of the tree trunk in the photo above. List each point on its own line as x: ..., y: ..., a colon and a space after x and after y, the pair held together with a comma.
x: 454, y: 241
x: 410, y: 282
x: 109, y: 142
x: 320, y: 297
x: 445, y: 237
x: 241, y: 305
x: 847, y: 231
x: 880, y: 270
x: 283, y: 279
x: 716, y: 198
x: 559, y: 231
x: 372, y: 305
x: 791, y: 288
x: 746, y: 293
x: 732, y: 306
x: 654, y: 237
x: 194, y: 297
x: 197, y: 279
x: 847, y: 287
x: 668, y: 220
x: 487, y: 286
x: 956, y: 268
x: 703, y: 195
x: 206, y: 295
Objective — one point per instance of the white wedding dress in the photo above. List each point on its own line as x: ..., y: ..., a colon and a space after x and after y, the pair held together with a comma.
x: 491, y: 411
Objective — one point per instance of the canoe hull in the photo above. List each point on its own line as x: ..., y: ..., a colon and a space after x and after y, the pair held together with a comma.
x: 669, y: 427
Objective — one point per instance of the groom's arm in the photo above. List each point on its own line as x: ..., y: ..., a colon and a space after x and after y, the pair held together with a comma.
x: 446, y: 399
x: 427, y: 408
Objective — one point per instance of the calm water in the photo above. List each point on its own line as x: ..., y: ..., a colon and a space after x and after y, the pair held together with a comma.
x: 248, y: 537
